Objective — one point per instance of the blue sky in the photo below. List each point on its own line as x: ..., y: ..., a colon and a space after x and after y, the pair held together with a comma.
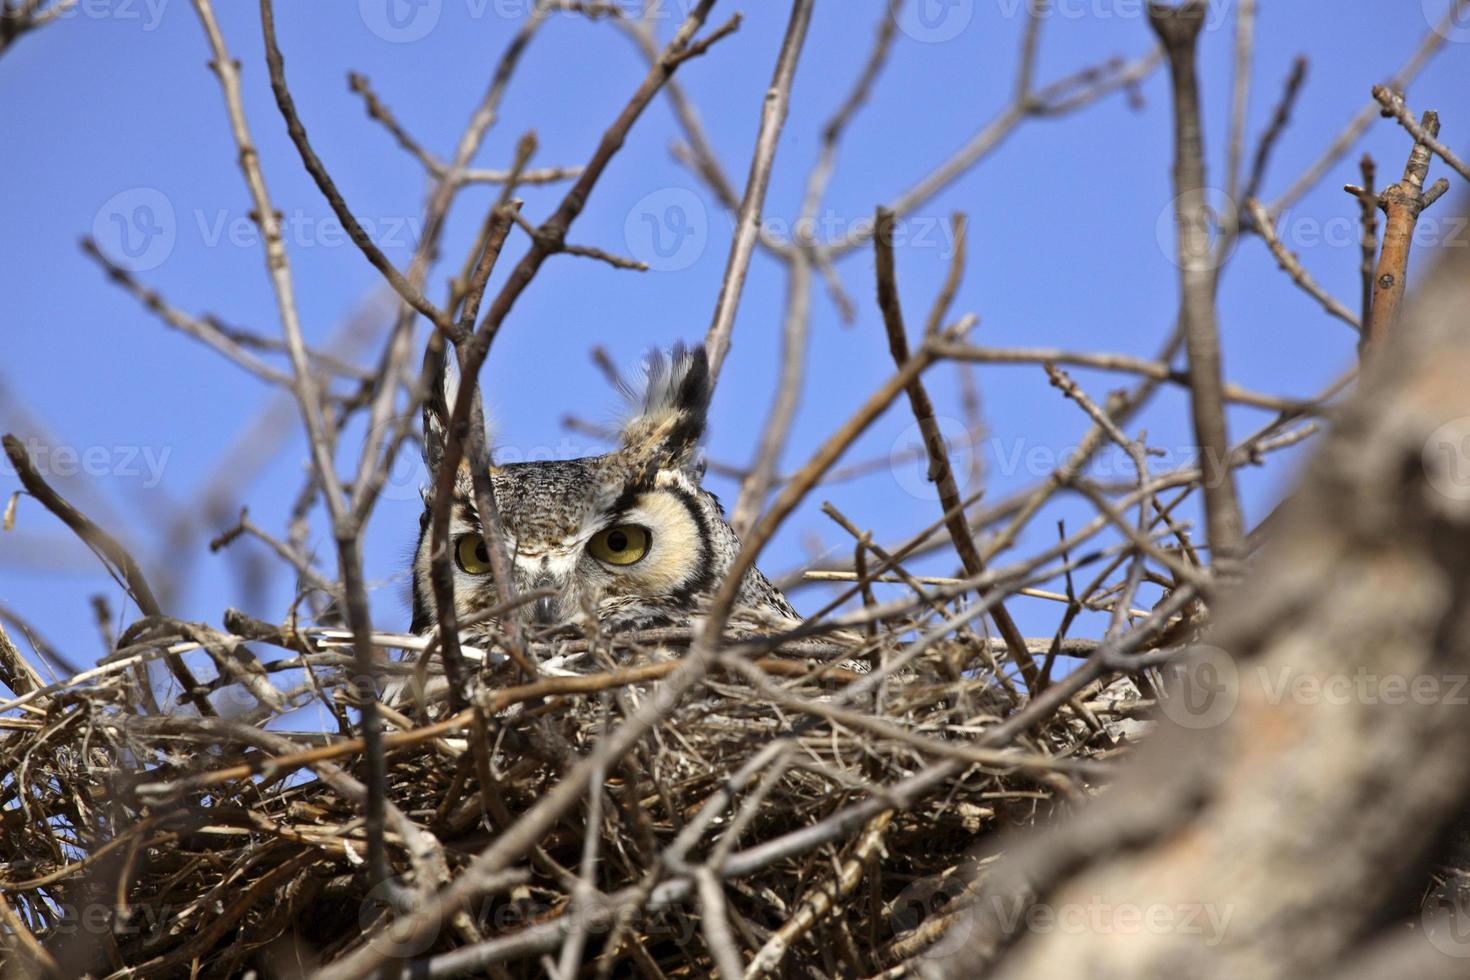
x: 112, y: 110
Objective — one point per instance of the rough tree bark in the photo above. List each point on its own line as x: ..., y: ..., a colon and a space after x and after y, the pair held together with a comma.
x: 1301, y: 804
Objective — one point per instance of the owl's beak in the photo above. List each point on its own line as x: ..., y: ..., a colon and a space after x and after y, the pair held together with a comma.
x: 546, y: 575
x: 546, y: 610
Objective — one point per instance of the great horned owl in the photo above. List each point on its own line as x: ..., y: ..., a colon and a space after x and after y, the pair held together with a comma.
x: 629, y: 537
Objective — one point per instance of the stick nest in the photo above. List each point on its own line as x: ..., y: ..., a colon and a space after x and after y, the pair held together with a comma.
x: 844, y: 826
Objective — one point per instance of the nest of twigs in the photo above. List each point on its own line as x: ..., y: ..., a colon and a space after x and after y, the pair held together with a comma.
x: 845, y: 813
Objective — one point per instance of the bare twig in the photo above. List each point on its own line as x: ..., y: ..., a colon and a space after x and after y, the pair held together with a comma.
x: 1245, y: 42
x: 119, y: 562
x: 314, y: 166
x: 1428, y: 46
x: 1393, y: 104
x: 1178, y: 28
x: 1402, y: 203
x: 1292, y: 266
x: 747, y: 219
x: 1367, y: 199
x: 940, y: 472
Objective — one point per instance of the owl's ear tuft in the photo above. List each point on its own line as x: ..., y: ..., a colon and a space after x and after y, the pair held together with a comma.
x: 438, y: 403
x: 670, y: 411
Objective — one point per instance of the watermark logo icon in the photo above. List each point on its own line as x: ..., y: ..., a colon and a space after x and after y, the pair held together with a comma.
x: 1445, y: 918
x: 1449, y: 18
x: 149, y: 13
x: 1203, y: 688
x: 908, y: 459
x: 1447, y: 460
x: 400, y: 21
x: 136, y: 228
x: 668, y: 229
x: 1208, y: 211
x: 934, y: 21
x: 925, y: 898
x: 402, y: 936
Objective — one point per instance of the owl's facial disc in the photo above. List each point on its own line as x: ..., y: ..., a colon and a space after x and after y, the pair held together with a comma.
x: 648, y: 550
x: 664, y: 525
x: 631, y: 549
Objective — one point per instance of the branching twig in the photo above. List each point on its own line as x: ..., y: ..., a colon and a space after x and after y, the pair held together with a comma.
x: 1393, y: 104
x: 1402, y: 203
x: 940, y: 472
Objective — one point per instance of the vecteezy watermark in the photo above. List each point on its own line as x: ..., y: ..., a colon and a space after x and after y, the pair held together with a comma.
x: 933, y: 21
x: 404, y: 21
x: 668, y: 229
x: 1010, y: 915
x: 139, y: 228
x: 146, y: 920
x: 1445, y: 918
x: 1098, y: 916
x: 1025, y: 457
x: 145, y: 463
x: 406, y: 478
x: 911, y: 231
x: 396, y: 930
x: 1215, y: 213
x: 1363, y: 686
x: 931, y: 896
x: 1305, y: 232
x: 301, y: 229
x: 1217, y: 15
x: 1201, y: 689
x: 908, y: 458
x: 1208, y: 212
x: 1446, y: 460
x: 399, y: 924
x: 148, y: 13
x: 1450, y: 19
x: 136, y: 228
x: 400, y: 21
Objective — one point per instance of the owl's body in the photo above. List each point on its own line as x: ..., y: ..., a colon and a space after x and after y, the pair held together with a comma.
x: 628, y: 539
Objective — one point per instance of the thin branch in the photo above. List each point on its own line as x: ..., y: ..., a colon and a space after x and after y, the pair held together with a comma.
x: 201, y: 330
x: 796, y: 326
x: 1367, y: 199
x: 1179, y: 28
x: 940, y: 472
x: 381, y: 113
x: 1402, y: 203
x: 1245, y: 42
x: 120, y: 562
x: 1292, y: 266
x: 747, y: 219
x: 1153, y: 370
x: 1393, y: 104
x: 314, y: 166
x: 1279, y: 121
x: 1428, y: 46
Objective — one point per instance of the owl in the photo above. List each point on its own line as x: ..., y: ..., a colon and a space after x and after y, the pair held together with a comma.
x: 628, y: 539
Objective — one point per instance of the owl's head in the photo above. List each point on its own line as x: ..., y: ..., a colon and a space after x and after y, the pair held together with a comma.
x: 628, y: 538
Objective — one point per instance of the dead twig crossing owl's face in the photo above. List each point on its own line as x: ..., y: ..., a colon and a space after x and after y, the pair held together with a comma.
x: 629, y: 539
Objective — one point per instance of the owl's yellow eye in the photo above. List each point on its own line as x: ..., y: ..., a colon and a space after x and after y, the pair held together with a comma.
x: 622, y: 544
x: 472, y: 555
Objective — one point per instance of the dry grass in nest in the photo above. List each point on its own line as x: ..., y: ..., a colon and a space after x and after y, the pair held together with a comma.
x: 209, y: 846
